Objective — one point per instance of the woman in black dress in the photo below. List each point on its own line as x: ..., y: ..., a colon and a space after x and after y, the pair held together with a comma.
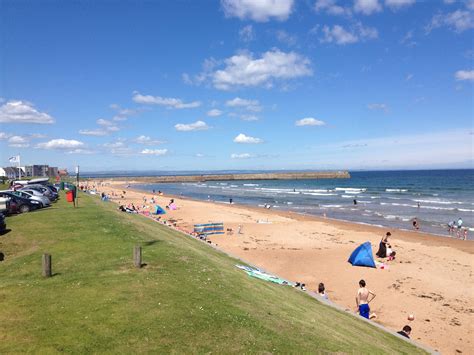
x: 382, y: 252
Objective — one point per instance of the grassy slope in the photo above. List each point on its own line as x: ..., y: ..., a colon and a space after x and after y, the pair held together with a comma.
x: 189, y: 298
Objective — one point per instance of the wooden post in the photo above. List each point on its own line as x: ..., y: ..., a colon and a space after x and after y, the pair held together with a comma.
x: 137, y: 256
x: 47, y: 265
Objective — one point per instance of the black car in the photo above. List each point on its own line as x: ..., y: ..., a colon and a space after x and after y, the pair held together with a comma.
x: 23, y: 204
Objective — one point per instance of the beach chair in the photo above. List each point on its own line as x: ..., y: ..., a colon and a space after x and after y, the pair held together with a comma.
x: 203, y: 230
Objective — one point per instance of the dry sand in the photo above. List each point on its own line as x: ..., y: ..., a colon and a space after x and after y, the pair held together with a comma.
x: 430, y: 278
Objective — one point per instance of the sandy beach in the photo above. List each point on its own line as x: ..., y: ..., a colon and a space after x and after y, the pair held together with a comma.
x: 430, y: 278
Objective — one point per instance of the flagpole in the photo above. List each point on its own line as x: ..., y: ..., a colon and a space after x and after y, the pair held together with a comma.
x: 19, y: 167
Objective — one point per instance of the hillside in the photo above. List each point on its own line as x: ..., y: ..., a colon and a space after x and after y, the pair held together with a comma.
x: 189, y: 298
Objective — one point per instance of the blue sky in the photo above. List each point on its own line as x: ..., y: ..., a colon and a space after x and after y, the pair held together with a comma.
x: 238, y: 84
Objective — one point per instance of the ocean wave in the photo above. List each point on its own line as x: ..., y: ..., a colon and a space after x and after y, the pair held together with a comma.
x: 396, y: 190
x: 464, y: 209
x: 347, y: 196
x: 440, y: 202
x: 251, y: 185
x: 331, y: 206
x: 318, y: 194
x: 349, y: 189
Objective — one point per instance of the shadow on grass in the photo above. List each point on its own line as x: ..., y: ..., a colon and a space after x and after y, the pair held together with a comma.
x: 151, y: 242
x: 6, y: 231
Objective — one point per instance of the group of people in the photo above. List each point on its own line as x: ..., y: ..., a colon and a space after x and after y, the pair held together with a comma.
x: 363, y: 298
x: 456, y: 229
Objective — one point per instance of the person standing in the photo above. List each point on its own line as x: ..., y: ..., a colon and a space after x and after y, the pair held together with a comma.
x: 382, y: 252
x: 363, y: 298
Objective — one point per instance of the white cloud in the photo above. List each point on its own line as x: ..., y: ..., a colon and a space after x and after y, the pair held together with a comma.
x: 331, y: 8
x: 214, y: 112
x: 341, y: 36
x: 247, y: 34
x: 102, y: 122
x: 93, y: 132
x: 243, y: 139
x: 249, y: 105
x: 61, y: 144
x: 367, y: 7
x: 243, y: 70
x: 309, y: 121
x: 168, y: 102
x: 123, y: 113
x: 4, y: 135
x: 409, y: 77
x: 241, y: 156
x: 248, y: 117
x: 196, y: 126
x: 18, y: 142
x: 258, y: 10
x: 81, y: 151
x: 147, y: 140
x: 458, y: 21
x: 398, y: 4
x: 118, y: 147
x: 286, y: 38
x: 154, y: 151
x: 23, y: 112
x: 464, y: 75
x: 376, y: 106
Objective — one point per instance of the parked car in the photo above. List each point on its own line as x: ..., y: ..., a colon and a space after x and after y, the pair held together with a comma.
x: 53, y: 196
x: 22, y: 204
x: 33, y: 195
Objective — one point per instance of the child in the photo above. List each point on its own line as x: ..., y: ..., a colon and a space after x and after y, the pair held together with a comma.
x: 322, y: 291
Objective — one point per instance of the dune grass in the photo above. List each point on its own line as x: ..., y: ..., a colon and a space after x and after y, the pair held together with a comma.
x: 189, y: 298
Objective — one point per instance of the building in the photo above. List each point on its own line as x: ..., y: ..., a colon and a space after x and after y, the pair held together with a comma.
x: 37, y: 170
x: 9, y: 172
x: 53, y: 171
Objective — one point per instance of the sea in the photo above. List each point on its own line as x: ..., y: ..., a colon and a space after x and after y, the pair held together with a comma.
x: 382, y: 198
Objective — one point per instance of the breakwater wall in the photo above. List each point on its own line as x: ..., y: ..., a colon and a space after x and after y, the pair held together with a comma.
x: 230, y: 177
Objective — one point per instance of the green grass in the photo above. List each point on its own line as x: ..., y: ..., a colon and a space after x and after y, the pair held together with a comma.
x: 188, y: 299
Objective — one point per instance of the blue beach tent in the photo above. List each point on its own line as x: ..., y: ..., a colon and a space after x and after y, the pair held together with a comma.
x: 362, y: 256
x: 159, y: 210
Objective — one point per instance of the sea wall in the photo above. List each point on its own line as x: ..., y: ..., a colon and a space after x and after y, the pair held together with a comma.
x: 230, y: 177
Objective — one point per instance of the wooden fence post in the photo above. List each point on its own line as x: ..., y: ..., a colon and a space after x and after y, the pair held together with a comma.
x: 137, y: 256
x: 47, y: 265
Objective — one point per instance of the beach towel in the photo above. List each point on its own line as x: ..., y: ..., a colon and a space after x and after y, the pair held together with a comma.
x: 259, y: 274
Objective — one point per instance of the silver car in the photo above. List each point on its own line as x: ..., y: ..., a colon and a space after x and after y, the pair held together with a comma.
x: 33, y: 195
